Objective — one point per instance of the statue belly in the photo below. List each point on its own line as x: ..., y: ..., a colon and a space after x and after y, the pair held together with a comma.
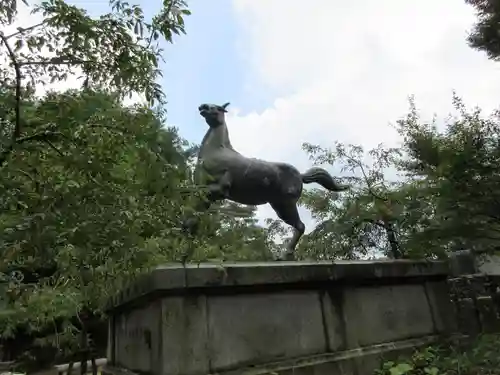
x: 253, y: 183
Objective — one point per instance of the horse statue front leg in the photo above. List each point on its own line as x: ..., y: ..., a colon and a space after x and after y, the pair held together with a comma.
x: 216, y: 191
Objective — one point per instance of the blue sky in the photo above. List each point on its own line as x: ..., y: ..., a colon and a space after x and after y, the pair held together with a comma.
x: 203, y: 66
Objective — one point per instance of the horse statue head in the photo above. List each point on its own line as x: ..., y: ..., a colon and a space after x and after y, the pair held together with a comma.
x: 214, y: 115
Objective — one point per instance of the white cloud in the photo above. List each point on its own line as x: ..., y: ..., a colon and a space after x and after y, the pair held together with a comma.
x: 342, y: 71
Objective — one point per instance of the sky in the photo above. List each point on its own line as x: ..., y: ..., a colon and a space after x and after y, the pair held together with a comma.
x: 319, y: 71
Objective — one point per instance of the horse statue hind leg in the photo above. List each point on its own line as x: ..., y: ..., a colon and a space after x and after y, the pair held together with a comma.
x: 286, y: 207
x: 288, y: 212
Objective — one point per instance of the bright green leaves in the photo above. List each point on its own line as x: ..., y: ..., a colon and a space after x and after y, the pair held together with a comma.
x: 118, y: 51
x: 114, y: 51
x: 94, y: 192
x: 459, y: 169
x: 82, y: 215
x: 101, y: 203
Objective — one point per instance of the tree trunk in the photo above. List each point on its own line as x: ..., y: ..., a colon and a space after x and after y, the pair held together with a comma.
x: 393, y: 242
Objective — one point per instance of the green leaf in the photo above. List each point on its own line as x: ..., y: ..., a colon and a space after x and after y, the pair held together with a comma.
x: 401, y: 369
x: 431, y: 370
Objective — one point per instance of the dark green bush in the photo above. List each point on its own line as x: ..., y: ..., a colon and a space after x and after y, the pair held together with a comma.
x: 479, y: 357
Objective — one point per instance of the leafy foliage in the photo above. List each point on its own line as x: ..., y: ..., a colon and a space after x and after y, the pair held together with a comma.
x: 457, y: 169
x: 118, y: 51
x: 100, y: 203
x: 93, y: 208
x: 233, y: 234
x: 93, y: 191
x: 89, y: 188
x: 442, y: 196
x: 485, y: 35
x: 362, y: 223
x: 479, y: 357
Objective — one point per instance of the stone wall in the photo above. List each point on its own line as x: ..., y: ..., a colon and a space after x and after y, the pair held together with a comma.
x: 278, y: 318
x: 475, y: 292
x: 477, y: 302
x: 489, y: 264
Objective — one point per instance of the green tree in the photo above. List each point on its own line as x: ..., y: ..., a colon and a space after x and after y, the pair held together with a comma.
x: 93, y: 191
x: 118, y: 51
x: 233, y: 234
x: 457, y: 169
x: 363, y: 222
x: 89, y: 188
x: 417, y: 232
x: 378, y: 216
x: 98, y: 205
x: 485, y: 35
x: 81, y: 216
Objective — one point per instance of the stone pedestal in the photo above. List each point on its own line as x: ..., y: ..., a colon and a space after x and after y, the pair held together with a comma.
x: 280, y: 317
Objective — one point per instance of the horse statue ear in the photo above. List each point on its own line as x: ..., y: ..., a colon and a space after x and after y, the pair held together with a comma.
x: 224, y: 106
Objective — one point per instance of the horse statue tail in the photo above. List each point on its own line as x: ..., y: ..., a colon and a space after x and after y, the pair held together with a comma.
x: 322, y: 177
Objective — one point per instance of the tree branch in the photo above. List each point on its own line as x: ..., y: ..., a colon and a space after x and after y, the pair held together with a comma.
x: 54, y: 147
x: 53, y: 61
x: 20, y: 30
x: 365, y: 176
x: 44, y: 136
x: 17, y: 68
x: 17, y: 124
x: 154, y: 29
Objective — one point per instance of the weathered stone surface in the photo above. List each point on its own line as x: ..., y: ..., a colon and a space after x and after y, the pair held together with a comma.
x: 185, y: 345
x: 376, y: 315
x: 359, y: 361
x: 468, y: 317
x: 477, y: 301
x: 463, y: 262
x: 250, y: 329
x: 176, y: 279
x: 305, y: 318
x: 489, y: 264
x: 488, y: 316
x: 333, y: 319
x: 137, y: 338
x: 444, y: 312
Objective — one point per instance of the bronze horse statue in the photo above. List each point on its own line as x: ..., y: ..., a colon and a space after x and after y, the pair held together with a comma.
x: 226, y: 174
